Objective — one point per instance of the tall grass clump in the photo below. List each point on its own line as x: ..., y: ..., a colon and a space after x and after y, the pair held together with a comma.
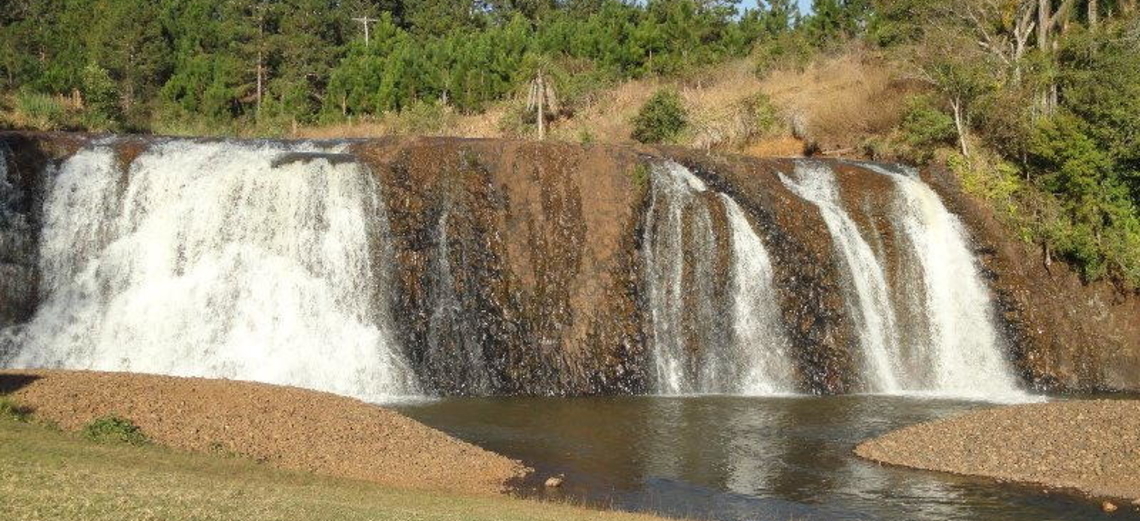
x: 39, y: 111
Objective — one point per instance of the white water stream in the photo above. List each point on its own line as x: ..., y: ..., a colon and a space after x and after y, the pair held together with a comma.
x: 958, y: 351
x: 208, y: 259
x: 754, y: 358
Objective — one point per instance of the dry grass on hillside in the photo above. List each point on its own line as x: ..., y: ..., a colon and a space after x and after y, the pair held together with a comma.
x: 484, y: 125
x: 835, y: 103
x: 838, y: 102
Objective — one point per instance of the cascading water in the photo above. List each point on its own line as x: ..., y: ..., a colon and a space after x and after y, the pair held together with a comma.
x: 249, y: 261
x: 961, y: 338
x: 276, y: 262
x: 691, y: 352
x: 763, y: 358
x: 869, y: 303
x: 955, y: 348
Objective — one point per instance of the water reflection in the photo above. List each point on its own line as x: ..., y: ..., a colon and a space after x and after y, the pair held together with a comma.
x: 739, y: 458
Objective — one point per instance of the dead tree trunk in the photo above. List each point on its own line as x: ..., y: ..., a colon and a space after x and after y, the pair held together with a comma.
x: 541, y: 108
x: 960, y: 125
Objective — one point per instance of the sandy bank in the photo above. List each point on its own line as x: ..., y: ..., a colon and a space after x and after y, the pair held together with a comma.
x: 1090, y: 446
x: 282, y: 426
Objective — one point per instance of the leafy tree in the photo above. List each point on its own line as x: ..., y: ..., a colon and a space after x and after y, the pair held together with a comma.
x: 126, y: 38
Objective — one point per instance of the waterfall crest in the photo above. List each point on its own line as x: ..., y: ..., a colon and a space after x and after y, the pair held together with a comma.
x: 691, y: 295
x: 955, y: 349
x: 250, y: 261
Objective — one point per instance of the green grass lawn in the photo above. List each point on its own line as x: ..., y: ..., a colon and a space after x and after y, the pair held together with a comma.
x: 50, y: 475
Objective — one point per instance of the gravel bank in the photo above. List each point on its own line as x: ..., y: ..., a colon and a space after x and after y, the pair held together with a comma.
x: 282, y: 426
x: 1090, y: 446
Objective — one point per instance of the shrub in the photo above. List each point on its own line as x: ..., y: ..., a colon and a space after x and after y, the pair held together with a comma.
x: 763, y: 114
x: 640, y: 175
x: 585, y: 137
x: 925, y: 127
x: 113, y: 429
x: 989, y: 177
x: 514, y: 123
x: 661, y: 119
x: 99, y: 93
x: 9, y: 409
x: 424, y: 117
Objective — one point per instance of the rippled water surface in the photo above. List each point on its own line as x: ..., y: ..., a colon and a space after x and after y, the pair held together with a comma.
x: 734, y: 458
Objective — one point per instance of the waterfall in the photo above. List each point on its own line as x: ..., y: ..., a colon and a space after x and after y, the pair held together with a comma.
x: 955, y: 349
x: 693, y: 350
x: 869, y: 303
x: 763, y: 351
x: 960, y: 337
x: 254, y: 261
x: 276, y: 262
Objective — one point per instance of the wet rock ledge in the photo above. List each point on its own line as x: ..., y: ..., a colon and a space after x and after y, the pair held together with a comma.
x: 1089, y: 446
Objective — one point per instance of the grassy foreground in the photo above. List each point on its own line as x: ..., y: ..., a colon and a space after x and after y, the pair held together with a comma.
x: 48, y: 474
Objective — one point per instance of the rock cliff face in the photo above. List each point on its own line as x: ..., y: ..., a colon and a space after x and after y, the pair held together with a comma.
x: 517, y: 257
x: 520, y: 268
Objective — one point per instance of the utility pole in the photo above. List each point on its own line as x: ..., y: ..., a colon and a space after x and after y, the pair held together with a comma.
x: 366, y: 20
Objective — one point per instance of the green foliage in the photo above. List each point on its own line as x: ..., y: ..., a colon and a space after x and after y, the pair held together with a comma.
x: 113, y: 429
x: 11, y: 410
x: 640, y: 175
x: 1100, y: 84
x: 661, y: 119
x: 1059, y: 127
x: 763, y: 114
x: 792, y: 50
x: 835, y: 19
x: 228, y: 66
x: 424, y: 117
x: 585, y: 137
x: 992, y: 178
x: 1103, y: 232
x: 99, y: 94
x: 926, y: 127
x: 898, y: 22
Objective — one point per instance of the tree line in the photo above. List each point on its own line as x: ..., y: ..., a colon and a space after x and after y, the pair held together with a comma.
x: 307, y: 60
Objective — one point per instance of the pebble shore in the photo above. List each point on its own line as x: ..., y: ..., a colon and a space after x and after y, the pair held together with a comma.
x: 1089, y: 446
x: 281, y: 426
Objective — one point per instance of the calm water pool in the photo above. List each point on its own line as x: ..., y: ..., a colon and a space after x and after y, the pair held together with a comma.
x: 736, y: 458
